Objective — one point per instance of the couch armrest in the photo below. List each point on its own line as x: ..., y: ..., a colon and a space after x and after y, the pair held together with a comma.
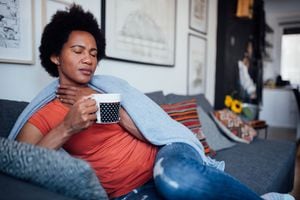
x: 15, y: 189
x: 9, y: 112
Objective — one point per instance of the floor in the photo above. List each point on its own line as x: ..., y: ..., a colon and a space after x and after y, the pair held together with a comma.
x: 296, y: 190
x: 275, y: 133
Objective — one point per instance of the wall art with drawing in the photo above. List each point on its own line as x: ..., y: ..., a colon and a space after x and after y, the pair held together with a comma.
x: 196, y: 64
x: 140, y: 31
x: 16, y: 31
x: 199, y: 15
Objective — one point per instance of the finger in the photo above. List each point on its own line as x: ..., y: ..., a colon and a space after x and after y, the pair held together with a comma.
x: 63, y: 91
x: 87, y: 101
x: 89, y: 123
x: 91, y: 109
x: 88, y: 119
x: 92, y: 117
x: 68, y: 87
x: 67, y: 101
x: 89, y: 106
x: 66, y: 96
x: 86, y: 105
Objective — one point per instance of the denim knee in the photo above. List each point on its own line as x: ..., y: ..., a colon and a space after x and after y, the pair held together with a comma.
x: 179, y: 173
x: 180, y: 177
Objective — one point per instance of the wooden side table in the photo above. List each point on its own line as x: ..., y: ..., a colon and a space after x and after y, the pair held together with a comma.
x: 259, y: 125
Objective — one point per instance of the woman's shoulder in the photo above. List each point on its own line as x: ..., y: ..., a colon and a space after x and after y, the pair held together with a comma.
x: 54, y: 106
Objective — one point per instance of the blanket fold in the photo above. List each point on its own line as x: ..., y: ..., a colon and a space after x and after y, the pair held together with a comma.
x: 155, y: 124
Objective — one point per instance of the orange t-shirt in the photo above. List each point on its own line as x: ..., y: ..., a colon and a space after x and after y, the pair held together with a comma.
x: 121, y: 161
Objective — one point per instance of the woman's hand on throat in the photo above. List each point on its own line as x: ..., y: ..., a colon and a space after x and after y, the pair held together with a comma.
x: 71, y: 94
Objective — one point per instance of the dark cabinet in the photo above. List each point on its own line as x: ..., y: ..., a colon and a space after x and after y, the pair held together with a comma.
x: 233, y: 35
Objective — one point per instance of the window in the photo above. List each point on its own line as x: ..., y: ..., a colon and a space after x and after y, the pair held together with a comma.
x: 290, y: 59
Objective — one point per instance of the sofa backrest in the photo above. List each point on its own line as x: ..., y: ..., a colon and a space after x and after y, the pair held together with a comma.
x: 10, y: 109
x: 157, y: 96
x: 9, y: 112
x: 201, y: 100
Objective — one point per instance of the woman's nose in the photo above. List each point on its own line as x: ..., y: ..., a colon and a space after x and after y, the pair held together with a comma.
x: 87, y: 59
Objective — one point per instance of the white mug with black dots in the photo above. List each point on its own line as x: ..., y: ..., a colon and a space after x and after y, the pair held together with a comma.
x: 108, y: 107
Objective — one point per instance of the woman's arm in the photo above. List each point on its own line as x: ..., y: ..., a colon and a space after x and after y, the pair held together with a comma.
x: 127, y: 123
x: 53, y: 140
x: 80, y: 116
x: 70, y: 94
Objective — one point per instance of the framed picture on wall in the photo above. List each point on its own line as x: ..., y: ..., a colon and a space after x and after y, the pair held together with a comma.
x: 16, y: 32
x: 140, y: 31
x: 196, y: 64
x: 198, y: 15
x: 49, y: 7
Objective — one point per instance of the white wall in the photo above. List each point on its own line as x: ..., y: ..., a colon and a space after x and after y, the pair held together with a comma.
x: 278, y: 12
x: 23, y: 82
x: 286, y: 112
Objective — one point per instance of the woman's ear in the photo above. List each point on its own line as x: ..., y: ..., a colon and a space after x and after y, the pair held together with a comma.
x: 55, y: 59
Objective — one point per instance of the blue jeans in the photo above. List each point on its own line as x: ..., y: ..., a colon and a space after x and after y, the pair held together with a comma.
x: 179, y: 173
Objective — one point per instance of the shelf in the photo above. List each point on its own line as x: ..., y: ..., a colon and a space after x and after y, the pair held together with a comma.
x: 269, y: 29
x: 267, y: 57
x: 268, y: 44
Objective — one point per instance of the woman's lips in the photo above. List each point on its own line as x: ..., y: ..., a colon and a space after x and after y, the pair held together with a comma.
x: 86, y: 72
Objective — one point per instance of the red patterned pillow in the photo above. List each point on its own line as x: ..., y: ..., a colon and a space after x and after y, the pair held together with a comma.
x: 233, y: 126
x: 186, y: 113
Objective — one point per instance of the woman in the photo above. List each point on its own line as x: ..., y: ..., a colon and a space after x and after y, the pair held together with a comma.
x: 129, y: 161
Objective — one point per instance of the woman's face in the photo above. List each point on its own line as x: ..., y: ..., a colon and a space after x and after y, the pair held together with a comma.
x: 77, y: 61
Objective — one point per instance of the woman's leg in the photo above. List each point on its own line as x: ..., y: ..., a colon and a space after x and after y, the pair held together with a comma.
x: 145, y: 192
x: 179, y: 173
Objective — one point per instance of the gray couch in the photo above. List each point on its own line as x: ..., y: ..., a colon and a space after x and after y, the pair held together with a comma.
x: 264, y: 165
x: 13, y: 188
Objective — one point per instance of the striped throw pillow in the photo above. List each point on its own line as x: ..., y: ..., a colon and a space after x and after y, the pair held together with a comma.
x: 186, y: 113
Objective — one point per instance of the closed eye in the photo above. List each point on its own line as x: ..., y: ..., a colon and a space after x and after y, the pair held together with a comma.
x: 77, y: 49
x: 94, y: 53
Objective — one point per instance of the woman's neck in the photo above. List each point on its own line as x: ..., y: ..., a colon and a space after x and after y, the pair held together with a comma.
x: 70, y: 83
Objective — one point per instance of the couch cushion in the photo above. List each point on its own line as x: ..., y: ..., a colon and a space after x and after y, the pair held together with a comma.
x: 233, y: 126
x: 213, y: 135
x: 50, y: 169
x: 201, y: 100
x: 157, y: 96
x: 264, y: 165
x: 185, y: 112
x: 9, y: 112
x: 15, y: 189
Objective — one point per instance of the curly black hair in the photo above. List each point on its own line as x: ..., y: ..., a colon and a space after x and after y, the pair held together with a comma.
x: 57, y: 32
